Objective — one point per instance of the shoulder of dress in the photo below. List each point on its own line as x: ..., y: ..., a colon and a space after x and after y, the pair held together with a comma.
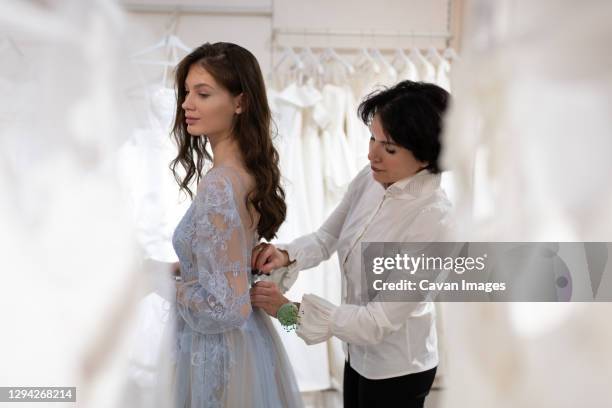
x: 217, y: 177
x: 215, y: 189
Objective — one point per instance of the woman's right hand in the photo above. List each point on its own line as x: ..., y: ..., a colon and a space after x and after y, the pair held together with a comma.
x: 266, y: 257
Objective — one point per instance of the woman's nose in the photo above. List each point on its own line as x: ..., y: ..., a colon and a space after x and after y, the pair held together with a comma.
x: 373, y: 155
x: 186, y: 105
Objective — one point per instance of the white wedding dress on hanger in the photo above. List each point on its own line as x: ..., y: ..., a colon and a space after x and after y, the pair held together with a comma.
x: 301, y: 162
x: 338, y: 159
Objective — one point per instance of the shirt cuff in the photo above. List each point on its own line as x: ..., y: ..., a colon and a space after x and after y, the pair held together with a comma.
x: 286, y: 276
x: 315, y: 319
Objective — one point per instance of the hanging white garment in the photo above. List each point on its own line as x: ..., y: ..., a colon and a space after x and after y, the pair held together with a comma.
x: 338, y: 160
x: 408, y: 72
x: 287, y: 110
x: 144, y: 162
x: 335, y: 113
x: 357, y: 133
x: 314, y: 161
x: 427, y: 72
x: 150, y: 339
x: 443, y: 75
x: 336, y: 73
x: 297, y: 140
x: 367, y: 79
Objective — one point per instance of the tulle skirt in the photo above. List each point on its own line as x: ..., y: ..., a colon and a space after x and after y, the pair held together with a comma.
x: 244, y: 367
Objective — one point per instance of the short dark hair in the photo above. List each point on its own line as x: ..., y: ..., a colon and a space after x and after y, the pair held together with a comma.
x: 411, y: 115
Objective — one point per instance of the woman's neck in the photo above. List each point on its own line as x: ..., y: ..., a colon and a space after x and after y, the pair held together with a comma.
x: 225, y: 151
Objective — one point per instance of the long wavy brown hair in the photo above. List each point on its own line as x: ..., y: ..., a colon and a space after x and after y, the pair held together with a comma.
x: 236, y: 69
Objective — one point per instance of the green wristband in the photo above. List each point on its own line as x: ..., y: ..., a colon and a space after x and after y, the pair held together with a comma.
x: 287, y: 315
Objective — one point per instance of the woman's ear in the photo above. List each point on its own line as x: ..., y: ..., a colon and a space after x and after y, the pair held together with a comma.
x: 238, y: 103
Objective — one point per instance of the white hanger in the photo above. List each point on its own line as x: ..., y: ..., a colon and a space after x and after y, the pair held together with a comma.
x: 330, y: 54
x: 309, y: 56
x: 400, y: 59
x: 390, y: 70
x: 426, y: 69
x: 405, y: 66
x: 450, y: 54
x: 288, y: 52
x: 434, y: 56
x: 169, y: 42
x: 364, y: 59
x: 417, y: 57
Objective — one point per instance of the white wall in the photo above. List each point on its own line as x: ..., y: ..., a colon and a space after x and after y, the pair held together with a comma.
x: 254, y: 30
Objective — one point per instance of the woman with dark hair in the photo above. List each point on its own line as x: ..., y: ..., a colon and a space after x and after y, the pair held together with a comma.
x: 390, y: 347
x: 223, y: 345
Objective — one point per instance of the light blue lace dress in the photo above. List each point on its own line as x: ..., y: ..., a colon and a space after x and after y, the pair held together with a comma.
x: 227, y: 354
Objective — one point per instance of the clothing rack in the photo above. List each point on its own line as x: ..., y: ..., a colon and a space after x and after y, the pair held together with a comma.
x: 199, y: 9
x: 282, y: 37
x: 349, y: 50
x: 360, y: 33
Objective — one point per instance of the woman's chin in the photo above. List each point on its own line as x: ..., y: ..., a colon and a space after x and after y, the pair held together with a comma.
x: 378, y: 177
x: 194, y: 131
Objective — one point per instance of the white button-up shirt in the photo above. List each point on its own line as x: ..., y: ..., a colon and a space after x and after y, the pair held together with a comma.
x: 383, y: 339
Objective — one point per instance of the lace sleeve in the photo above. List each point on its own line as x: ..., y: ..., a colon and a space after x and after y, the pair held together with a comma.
x: 219, y: 299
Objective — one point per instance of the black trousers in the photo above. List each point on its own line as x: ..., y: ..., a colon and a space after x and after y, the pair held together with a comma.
x: 407, y: 391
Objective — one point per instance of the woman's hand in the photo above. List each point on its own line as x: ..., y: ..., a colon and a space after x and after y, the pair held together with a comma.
x: 266, y: 257
x: 180, y: 290
x: 175, y: 269
x: 267, y: 296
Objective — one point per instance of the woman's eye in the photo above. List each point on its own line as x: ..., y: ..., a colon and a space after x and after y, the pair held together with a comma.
x: 390, y: 151
x: 204, y: 95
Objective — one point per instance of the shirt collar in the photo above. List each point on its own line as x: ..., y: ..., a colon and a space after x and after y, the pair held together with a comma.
x: 421, y: 182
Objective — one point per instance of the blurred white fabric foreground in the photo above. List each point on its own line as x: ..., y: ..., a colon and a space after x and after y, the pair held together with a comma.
x: 532, y: 97
x: 70, y: 282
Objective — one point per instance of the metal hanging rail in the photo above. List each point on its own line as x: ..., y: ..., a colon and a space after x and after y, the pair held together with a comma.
x: 251, y: 11
x: 360, y: 33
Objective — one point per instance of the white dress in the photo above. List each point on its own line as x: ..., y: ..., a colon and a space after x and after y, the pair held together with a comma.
x: 288, y: 108
x: 443, y: 75
x: 339, y: 165
x: 299, y: 147
x: 148, y: 181
x: 408, y: 72
x: 313, y: 161
x: 426, y: 70
x: 157, y: 207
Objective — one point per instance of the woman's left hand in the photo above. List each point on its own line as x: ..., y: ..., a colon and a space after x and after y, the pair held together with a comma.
x: 267, y: 296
